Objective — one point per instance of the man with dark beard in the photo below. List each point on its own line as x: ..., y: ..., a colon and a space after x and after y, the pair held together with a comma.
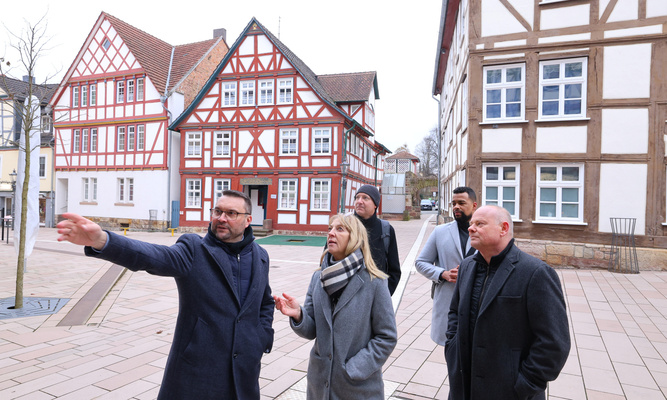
x: 439, y: 260
x: 381, y: 235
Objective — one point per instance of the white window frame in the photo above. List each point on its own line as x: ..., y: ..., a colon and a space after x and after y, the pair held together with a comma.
x: 193, y: 193
x: 93, y: 140
x: 561, y: 82
x: 84, y: 140
x: 220, y: 185
x: 223, y: 144
x: 77, y: 141
x: 193, y: 143
x: 228, y: 94
x: 120, y: 91
x: 285, y: 91
x: 321, y: 139
x: 120, y: 138
x: 504, y: 86
x: 500, y: 185
x: 140, y: 89
x: 131, y: 137
x: 42, y: 166
x: 320, y: 199
x: 75, y: 96
x: 84, y: 96
x: 247, y: 93
x: 89, y: 189
x: 141, y: 137
x: 287, y: 191
x: 290, y: 138
x: 125, y: 190
x: 559, y: 184
x: 46, y: 123
x: 93, y: 94
x: 130, y: 90
x: 265, y: 89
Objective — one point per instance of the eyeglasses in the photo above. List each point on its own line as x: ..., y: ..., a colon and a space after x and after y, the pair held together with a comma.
x: 231, y: 214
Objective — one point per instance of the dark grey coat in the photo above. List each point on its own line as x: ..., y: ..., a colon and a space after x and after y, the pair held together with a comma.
x: 352, y: 342
x: 521, y: 339
x: 218, y: 342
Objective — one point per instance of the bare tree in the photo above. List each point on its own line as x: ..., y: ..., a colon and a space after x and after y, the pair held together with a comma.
x: 29, y: 45
x: 427, y: 151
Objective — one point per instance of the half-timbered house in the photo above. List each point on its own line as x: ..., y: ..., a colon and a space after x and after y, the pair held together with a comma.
x: 556, y: 110
x: 116, y: 161
x: 299, y: 144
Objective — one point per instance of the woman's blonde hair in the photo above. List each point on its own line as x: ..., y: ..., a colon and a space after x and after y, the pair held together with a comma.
x: 358, y: 239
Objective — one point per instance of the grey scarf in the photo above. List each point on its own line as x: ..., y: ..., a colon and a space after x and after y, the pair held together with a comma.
x: 336, y: 276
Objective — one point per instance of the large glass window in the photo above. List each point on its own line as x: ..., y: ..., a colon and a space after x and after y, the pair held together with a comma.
x: 229, y: 94
x: 501, y: 187
x: 504, y: 92
x: 120, y: 91
x: 322, y: 141
x: 121, y: 138
x: 321, y: 192
x: 248, y: 93
x: 287, y: 194
x: 193, y: 144
x: 285, y: 91
x: 266, y: 92
x: 288, y: 141
x: 560, y: 192
x: 193, y: 192
x: 223, y: 141
x: 563, y: 88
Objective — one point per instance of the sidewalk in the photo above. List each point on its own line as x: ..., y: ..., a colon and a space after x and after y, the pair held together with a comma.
x: 618, y: 326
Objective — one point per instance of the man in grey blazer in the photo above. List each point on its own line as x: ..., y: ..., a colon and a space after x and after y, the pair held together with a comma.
x: 508, y: 332
x: 439, y: 260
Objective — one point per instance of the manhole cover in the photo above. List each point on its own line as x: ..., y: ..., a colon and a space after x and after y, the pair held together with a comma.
x: 32, y: 306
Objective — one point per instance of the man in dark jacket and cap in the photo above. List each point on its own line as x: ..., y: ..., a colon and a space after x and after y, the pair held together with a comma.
x: 381, y: 239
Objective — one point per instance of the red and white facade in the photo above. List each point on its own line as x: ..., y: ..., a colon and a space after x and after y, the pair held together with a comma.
x: 114, y: 155
x: 266, y: 125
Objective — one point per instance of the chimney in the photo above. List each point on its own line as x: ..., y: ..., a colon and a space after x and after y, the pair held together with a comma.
x: 221, y: 32
x: 26, y: 77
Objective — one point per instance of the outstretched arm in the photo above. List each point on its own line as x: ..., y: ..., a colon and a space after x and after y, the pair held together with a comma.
x: 289, y: 306
x: 82, y: 231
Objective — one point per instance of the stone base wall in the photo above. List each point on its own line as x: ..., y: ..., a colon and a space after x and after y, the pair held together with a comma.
x: 588, y: 256
x: 114, y: 224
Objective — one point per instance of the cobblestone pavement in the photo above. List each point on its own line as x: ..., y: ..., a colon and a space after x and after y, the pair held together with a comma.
x: 618, y: 326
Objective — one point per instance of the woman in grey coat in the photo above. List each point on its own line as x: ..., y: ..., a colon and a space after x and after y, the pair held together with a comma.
x: 348, y: 311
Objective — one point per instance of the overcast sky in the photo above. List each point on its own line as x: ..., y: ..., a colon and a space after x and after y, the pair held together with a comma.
x: 397, y: 39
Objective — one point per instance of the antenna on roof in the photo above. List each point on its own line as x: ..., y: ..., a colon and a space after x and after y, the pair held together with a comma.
x: 278, y: 27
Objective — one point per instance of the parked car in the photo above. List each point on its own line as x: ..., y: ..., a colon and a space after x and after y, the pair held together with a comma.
x: 426, y: 205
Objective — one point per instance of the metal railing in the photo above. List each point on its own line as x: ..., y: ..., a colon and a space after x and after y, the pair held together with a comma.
x: 623, y: 256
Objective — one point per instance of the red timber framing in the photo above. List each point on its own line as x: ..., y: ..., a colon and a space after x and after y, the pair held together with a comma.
x: 111, y: 118
x: 266, y: 125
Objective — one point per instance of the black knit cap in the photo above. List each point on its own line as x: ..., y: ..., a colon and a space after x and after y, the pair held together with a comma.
x: 372, y: 192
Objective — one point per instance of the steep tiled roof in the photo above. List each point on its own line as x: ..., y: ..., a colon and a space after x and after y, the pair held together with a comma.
x: 187, y: 56
x: 350, y: 87
x: 19, y: 88
x: 152, y: 53
x: 403, y: 155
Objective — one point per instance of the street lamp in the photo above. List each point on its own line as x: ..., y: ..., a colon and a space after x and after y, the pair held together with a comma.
x: 343, y: 170
x: 12, y: 178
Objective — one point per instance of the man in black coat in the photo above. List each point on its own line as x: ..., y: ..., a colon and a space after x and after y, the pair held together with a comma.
x: 382, y: 239
x: 225, y: 304
x: 507, y: 334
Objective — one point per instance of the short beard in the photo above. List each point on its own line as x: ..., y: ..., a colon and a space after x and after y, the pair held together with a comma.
x: 463, y: 220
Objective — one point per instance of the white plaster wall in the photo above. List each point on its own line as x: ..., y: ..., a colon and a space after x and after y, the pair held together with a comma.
x: 497, y: 20
x: 624, y: 131
x: 564, y: 17
x: 655, y: 8
x: 617, y: 183
x: 624, y: 10
x: 627, y: 71
x: 501, y: 140
x: 561, y: 139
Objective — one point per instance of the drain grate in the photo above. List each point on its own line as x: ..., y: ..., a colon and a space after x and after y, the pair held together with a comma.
x: 296, y: 241
x: 32, y: 306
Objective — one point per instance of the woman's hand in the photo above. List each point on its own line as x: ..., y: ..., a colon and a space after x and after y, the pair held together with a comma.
x: 289, y: 306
